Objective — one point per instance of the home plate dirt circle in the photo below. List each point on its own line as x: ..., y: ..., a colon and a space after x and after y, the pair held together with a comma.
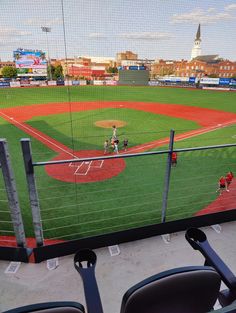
x: 86, y: 171
x: 110, y: 123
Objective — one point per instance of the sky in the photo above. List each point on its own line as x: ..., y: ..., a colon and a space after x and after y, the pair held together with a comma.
x: 154, y: 29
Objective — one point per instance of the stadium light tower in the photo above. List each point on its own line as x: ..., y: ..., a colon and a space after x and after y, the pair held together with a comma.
x: 47, y: 30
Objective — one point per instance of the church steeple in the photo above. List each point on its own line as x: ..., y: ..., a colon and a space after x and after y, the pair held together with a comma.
x: 196, y: 51
x: 198, y: 35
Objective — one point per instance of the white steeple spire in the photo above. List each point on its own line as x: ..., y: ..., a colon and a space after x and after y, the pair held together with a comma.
x: 196, y: 51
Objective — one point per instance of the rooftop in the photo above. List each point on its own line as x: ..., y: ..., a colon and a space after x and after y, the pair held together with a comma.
x: 207, y: 58
x: 115, y: 274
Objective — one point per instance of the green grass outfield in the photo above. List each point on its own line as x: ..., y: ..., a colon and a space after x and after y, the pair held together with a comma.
x: 134, y: 197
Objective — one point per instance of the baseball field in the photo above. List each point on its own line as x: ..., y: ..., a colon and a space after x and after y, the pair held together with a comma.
x: 88, y: 198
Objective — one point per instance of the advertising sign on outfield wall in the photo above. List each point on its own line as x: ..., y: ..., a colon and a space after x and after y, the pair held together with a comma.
x: 153, y: 83
x: 68, y: 83
x: 192, y: 80
x: 4, y: 84
x: 98, y: 82
x: 233, y: 82
x: 224, y: 81
x: 75, y: 82
x: 25, y: 83
x: 15, y: 84
x: 60, y: 83
x: 209, y: 81
x: 52, y: 83
x: 35, y: 83
x: 82, y: 82
x: 111, y: 82
x: 174, y: 79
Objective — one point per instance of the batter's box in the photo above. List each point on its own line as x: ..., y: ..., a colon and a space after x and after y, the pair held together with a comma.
x: 84, y: 167
x: 97, y: 163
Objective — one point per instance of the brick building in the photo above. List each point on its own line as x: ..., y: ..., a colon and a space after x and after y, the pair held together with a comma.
x: 87, y: 67
x: 205, y: 65
x: 127, y: 55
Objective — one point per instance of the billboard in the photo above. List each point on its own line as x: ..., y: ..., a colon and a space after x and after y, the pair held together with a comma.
x: 192, y: 80
x: 209, y: 81
x: 224, y: 81
x: 30, y: 62
x: 4, y: 84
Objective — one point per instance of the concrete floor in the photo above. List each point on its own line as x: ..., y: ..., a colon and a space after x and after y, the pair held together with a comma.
x: 137, y: 260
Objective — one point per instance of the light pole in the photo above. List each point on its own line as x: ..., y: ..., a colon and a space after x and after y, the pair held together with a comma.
x: 48, y: 30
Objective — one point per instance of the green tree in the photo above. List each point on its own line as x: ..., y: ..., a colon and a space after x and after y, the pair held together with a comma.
x: 58, y: 72
x: 112, y: 70
x: 9, y: 72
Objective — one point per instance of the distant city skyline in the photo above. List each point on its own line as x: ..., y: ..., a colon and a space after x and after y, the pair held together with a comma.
x: 159, y: 29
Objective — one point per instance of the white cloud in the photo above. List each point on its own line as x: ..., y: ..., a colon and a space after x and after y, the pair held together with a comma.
x: 201, y: 16
x: 12, y: 35
x: 151, y: 36
x: 12, y: 32
x: 211, y: 10
x: 96, y: 35
x: 230, y: 7
x: 43, y: 22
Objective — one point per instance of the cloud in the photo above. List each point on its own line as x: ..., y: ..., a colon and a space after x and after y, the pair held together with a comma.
x: 97, y: 36
x: 43, y: 22
x: 201, y: 16
x: 12, y: 32
x: 211, y: 10
x: 230, y: 7
x: 12, y: 35
x: 147, y: 36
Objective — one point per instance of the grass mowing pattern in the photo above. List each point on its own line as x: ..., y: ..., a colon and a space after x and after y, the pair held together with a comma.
x: 134, y: 197
x: 142, y: 127
x: 224, y: 101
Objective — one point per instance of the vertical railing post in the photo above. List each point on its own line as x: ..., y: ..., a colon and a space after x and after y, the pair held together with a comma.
x: 12, y: 195
x: 33, y: 194
x: 167, y: 177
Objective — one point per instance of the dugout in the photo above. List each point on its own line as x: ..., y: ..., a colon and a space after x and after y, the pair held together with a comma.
x: 133, y: 77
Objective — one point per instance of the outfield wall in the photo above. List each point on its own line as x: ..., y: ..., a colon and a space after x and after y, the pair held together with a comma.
x: 133, y: 77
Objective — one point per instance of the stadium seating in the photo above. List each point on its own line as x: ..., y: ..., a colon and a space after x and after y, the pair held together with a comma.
x: 180, y: 290
x: 229, y: 309
x: 50, y: 307
x: 192, y: 289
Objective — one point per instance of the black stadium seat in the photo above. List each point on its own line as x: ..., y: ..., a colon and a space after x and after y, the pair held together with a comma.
x: 228, y: 309
x: 182, y: 290
x: 50, y: 307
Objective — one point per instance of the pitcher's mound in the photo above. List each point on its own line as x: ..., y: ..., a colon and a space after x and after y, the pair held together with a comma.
x: 110, y: 123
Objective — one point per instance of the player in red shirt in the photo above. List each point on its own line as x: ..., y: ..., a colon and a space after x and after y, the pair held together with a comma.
x: 229, y: 176
x: 174, y: 159
x: 222, y: 185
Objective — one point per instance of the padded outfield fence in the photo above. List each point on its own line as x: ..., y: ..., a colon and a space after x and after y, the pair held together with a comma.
x: 152, y: 198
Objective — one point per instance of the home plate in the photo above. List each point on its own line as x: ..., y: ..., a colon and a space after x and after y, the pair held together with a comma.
x: 219, y: 125
x: 121, y: 105
x: 11, y: 118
